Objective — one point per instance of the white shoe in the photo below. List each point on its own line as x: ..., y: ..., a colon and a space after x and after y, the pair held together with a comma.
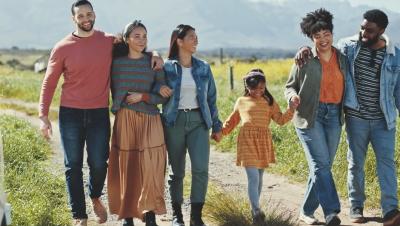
x: 308, y: 219
x: 80, y: 222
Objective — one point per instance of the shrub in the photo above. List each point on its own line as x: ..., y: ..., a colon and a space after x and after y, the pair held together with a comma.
x: 228, y: 209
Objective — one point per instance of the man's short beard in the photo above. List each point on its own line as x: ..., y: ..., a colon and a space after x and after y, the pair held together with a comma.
x: 85, y: 29
x: 368, y: 43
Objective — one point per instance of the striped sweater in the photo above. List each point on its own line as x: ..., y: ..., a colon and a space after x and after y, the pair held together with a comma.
x: 136, y: 75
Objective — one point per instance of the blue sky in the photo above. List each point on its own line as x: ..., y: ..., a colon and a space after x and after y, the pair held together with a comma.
x: 388, y: 4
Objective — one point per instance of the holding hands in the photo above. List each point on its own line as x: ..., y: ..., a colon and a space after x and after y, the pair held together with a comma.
x: 294, y: 102
x: 217, y: 136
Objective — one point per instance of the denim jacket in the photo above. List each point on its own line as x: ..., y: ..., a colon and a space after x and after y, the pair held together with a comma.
x: 389, y: 78
x: 206, y: 93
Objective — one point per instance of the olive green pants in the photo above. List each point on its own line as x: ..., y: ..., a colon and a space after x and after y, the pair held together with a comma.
x: 189, y: 133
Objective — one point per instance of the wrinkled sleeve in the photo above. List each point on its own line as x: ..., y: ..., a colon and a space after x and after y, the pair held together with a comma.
x: 54, y: 70
x: 212, y: 103
x: 118, y: 89
x: 293, y: 83
x: 397, y: 93
x: 232, y: 121
x: 279, y: 117
x: 154, y: 97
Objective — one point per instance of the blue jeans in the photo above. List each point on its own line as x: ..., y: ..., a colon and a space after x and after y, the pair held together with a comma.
x: 77, y: 127
x: 254, y: 186
x: 320, y: 145
x: 360, y: 133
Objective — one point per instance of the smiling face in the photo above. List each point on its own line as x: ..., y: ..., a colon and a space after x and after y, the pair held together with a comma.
x: 84, y: 18
x: 323, y: 40
x: 137, y: 40
x: 370, y: 33
x: 189, y: 42
x: 258, y: 91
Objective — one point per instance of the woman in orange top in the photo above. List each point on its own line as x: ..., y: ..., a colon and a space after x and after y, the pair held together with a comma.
x: 318, y: 88
x: 254, y: 147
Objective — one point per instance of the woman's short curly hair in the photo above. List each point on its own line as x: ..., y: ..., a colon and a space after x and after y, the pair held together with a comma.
x: 313, y: 22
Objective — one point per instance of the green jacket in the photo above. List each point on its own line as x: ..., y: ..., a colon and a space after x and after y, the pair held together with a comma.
x: 305, y: 82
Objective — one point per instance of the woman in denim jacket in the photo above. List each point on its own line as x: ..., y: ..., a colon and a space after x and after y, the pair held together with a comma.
x: 188, y: 115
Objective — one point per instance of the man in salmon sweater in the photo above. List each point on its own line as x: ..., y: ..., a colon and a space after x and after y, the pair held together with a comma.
x: 84, y: 58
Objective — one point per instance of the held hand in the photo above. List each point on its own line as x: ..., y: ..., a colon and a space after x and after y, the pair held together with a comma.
x: 45, y: 127
x: 157, y: 62
x: 133, y: 97
x: 165, y: 91
x: 216, y: 136
x: 294, y: 102
x: 302, y: 56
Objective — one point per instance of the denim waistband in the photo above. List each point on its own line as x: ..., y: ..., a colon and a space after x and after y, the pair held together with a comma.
x: 329, y: 104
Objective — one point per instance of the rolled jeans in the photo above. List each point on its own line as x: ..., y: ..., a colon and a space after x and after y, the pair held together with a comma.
x: 360, y: 133
x: 254, y: 187
x: 320, y: 144
x: 77, y: 128
x: 191, y: 134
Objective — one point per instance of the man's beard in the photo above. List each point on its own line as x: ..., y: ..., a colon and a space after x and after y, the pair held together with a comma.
x: 368, y: 43
x: 83, y: 28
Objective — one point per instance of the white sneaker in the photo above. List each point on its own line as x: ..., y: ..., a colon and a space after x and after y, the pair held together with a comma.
x: 80, y: 222
x: 308, y: 219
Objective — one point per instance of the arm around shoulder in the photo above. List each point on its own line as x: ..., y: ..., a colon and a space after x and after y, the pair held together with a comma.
x: 293, y: 83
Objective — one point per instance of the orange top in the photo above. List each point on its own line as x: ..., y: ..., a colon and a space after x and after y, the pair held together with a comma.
x: 332, y: 82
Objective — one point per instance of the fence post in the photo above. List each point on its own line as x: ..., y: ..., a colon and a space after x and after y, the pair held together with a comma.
x: 221, y: 55
x: 231, y: 76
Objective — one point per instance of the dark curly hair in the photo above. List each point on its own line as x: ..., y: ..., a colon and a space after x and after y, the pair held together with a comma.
x: 313, y: 22
x: 378, y: 17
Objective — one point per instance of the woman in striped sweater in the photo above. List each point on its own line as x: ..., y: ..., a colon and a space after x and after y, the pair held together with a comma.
x: 138, y: 152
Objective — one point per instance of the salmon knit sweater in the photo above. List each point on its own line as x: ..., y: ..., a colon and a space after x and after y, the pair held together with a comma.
x: 85, y: 64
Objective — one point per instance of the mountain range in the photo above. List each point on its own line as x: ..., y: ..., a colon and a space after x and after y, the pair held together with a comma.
x: 219, y: 23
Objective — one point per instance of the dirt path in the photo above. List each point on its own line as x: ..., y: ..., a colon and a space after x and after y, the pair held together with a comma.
x: 223, y: 173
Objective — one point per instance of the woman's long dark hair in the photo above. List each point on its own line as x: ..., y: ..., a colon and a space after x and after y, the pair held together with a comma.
x: 121, y: 49
x: 251, y: 81
x: 180, y: 32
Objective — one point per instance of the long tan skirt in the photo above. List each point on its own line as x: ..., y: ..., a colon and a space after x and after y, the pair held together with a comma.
x: 137, y: 163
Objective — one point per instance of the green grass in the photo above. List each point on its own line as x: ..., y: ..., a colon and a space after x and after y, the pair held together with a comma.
x: 37, y: 196
x: 23, y: 85
x: 229, y: 209
x: 53, y: 115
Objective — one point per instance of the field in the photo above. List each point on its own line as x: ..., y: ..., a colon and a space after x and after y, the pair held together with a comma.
x: 25, y: 86
x: 290, y: 156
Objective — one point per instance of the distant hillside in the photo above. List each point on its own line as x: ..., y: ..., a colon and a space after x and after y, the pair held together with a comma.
x: 221, y: 23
